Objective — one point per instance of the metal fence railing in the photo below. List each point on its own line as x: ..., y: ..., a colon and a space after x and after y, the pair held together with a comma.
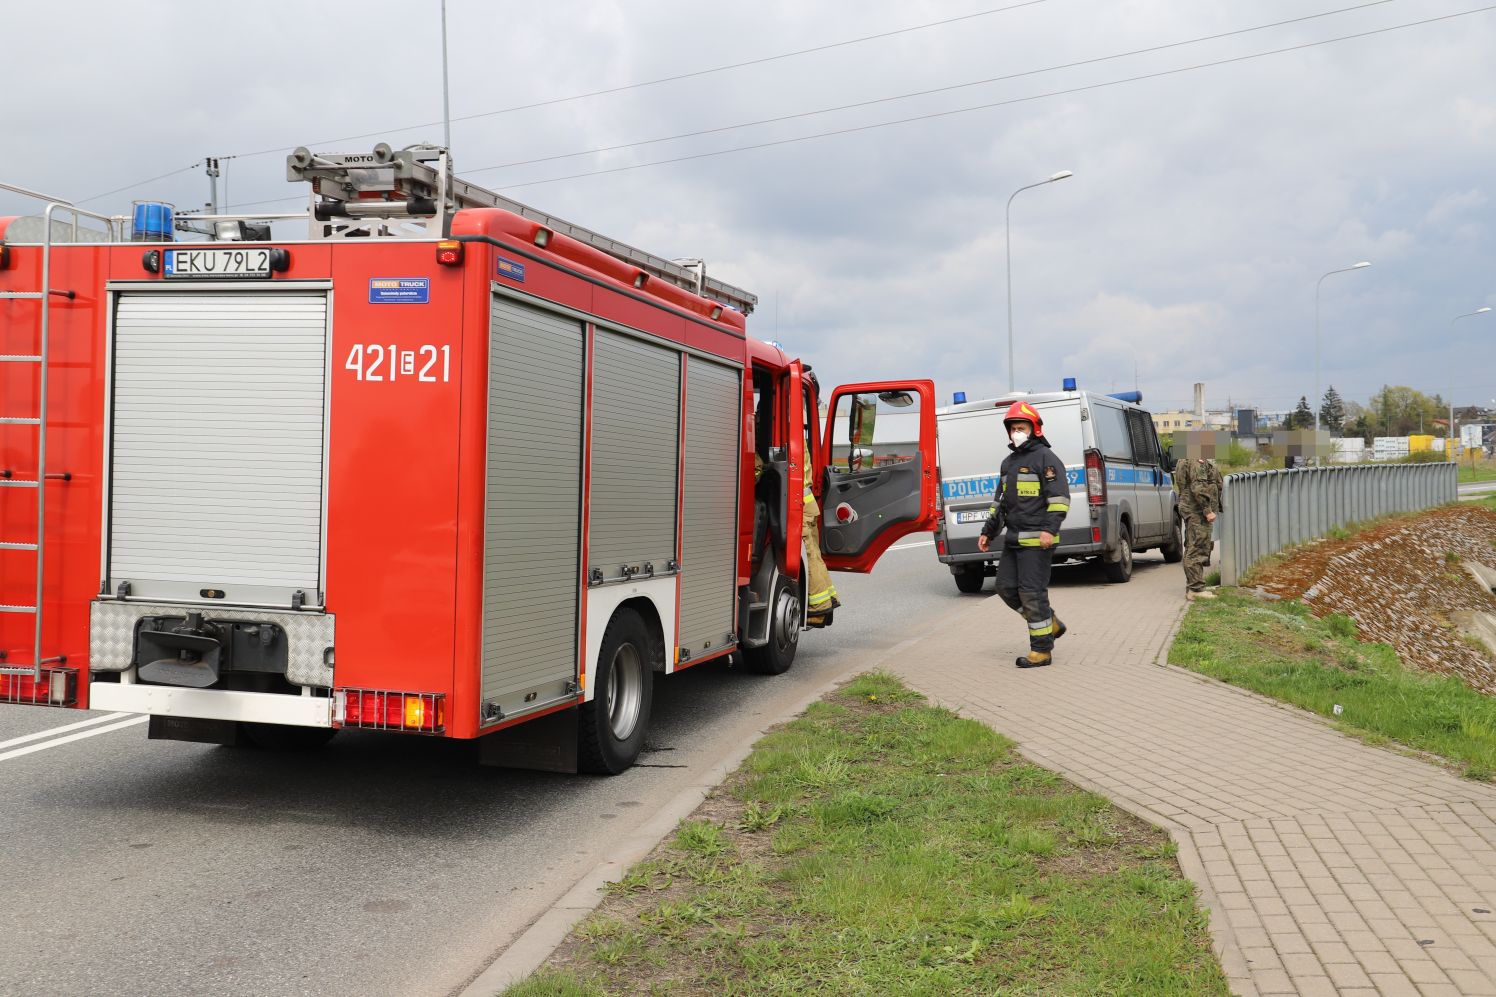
x: 1266, y: 511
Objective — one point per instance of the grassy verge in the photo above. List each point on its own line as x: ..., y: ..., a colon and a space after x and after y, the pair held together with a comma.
x: 1483, y: 470
x: 1280, y: 650
x: 881, y: 846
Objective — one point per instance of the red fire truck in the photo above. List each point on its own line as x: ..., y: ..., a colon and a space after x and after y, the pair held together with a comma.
x: 448, y: 465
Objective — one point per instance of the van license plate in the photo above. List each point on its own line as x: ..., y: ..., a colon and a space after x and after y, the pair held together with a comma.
x: 973, y: 516
x: 234, y: 264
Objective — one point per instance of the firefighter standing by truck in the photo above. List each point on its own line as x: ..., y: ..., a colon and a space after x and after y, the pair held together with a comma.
x: 1032, y: 499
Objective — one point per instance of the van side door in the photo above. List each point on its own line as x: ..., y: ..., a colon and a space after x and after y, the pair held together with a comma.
x: 1151, y: 496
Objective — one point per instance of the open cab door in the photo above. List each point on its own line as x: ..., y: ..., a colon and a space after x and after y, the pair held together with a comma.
x: 879, y: 470
x: 790, y: 395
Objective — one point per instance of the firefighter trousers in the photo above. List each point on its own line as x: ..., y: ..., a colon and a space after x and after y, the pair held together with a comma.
x: 1198, y: 545
x: 1023, y: 583
x: 818, y: 588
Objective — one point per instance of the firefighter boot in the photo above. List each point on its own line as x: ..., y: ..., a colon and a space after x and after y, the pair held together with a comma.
x: 1059, y: 628
x: 1035, y: 659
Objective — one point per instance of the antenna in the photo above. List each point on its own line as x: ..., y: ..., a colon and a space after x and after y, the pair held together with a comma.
x: 446, y: 106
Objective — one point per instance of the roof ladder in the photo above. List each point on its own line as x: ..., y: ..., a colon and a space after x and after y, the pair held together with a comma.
x: 54, y: 691
x: 414, y: 191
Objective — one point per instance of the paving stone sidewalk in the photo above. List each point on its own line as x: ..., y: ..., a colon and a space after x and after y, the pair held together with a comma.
x: 1329, y: 867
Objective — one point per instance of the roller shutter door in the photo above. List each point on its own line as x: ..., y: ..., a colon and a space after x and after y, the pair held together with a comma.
x: 635, y: 454
x: 217, y: 445
x: 709, y: 534
x: 533, y: 521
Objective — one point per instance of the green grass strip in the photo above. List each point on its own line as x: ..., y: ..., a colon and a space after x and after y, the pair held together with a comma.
x: 1281, y: 650
x: 881, y: 846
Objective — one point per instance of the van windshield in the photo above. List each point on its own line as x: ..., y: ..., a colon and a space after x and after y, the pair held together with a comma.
x: 974, y: 443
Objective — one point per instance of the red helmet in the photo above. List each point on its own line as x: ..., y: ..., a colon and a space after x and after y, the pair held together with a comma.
x: 1027, y: 413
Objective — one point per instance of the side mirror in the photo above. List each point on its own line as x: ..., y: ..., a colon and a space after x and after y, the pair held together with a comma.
x: 861, y: 421
x: 898, y: 399
x: 860, y: 457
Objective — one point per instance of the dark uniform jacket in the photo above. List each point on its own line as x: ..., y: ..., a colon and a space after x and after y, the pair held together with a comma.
x: 1032, y: 497
x: 1199, y: 483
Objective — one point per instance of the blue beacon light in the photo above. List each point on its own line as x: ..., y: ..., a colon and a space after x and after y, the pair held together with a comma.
x: 1069, y: 384
x: 959, y: 398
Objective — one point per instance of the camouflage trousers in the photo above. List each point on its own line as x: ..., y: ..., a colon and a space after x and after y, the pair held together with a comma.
x: 1197, y: 547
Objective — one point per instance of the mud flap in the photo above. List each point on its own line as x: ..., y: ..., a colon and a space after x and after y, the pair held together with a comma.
x: 546, y: 744
x: 226, y: 732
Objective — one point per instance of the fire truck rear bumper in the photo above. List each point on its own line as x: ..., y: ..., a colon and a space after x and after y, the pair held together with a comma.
x: 211, y: 704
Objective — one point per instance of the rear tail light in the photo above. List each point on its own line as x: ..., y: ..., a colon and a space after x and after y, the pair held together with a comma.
x: 1096, y: 534
x: 940, y: 546
x: 373, y: 709
x: 1095, y: 478
x: 449, y: 254
x: 56, y: 687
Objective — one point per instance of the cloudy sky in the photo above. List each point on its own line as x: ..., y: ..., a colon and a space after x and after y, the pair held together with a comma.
x: 1204, y: 206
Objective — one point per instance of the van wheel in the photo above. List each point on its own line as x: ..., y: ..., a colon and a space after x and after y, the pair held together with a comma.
x: 1173, y: 551
x: 970, y: 578
x: 1120, y: 570
x: 775, y: 657
x: 611, y: 728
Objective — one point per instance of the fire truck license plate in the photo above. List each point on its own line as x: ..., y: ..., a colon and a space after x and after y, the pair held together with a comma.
x: 236, y: 264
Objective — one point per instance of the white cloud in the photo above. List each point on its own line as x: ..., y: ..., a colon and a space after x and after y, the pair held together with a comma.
x: 1204, y: 206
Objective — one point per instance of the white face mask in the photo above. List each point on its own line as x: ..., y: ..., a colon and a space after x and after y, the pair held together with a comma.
x: 1019, y: 437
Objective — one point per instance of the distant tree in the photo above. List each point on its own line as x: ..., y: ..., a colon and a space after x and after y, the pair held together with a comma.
x: 1332, y: 412
x: 1302, y: 416
x: 1363, y: 424
x: 1398, y: 410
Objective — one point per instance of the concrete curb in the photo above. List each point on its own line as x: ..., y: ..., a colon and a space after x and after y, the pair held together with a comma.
x: 534, y: 945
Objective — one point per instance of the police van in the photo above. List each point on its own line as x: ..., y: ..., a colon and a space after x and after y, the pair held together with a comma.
x: 1113, y: 461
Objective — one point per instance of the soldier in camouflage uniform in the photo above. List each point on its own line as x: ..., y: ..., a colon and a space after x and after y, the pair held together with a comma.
x: 1199, y: 483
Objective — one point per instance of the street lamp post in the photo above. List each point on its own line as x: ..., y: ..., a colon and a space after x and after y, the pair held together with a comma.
x: 1449, y: 446
x: 1008, y: 233
x: 1359, y: 266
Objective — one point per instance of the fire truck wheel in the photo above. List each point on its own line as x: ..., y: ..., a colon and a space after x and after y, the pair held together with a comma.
x: 280, y: 737
x: 611, y: 728
x: 775, y: 657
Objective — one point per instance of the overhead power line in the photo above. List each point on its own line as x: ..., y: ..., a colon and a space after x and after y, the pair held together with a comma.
x: 141, y: 183
x: 978, y: 107
x: 1005, y: 103
x: 695, y: 74
x: 933, y: 90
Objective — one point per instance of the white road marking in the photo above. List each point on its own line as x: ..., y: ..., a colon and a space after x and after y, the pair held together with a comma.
x: 911, y: 546
x: 30, y: 748
x: 63, y: 730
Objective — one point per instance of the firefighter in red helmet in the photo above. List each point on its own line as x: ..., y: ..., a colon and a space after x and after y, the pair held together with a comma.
x: 1032, y: 499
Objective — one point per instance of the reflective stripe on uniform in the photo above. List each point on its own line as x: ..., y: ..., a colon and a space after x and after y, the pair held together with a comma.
x: 1042, y: 629
x: 1028, y: 540
x: 992, y: 510
x: 1058, y: 507
x: 809, y: 494
x: 822, y: 599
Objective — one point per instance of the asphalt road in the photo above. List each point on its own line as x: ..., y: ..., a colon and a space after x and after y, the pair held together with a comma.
x: 1477, y: 488
x: 382, y: 864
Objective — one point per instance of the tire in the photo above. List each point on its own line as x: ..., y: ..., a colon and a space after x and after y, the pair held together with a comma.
x: 775, y: 657
x: 1120, y: 570
x: 1173, y: 551
x: 281, y: 737
x: 611, y: 728
x: 971, y: 578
